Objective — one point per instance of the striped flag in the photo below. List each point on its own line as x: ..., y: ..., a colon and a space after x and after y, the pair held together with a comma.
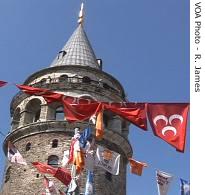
x: 185, y: 187
x: 163, y: 182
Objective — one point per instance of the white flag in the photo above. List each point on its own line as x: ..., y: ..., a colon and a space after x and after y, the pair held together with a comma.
x: 163, y: 182
x: 89, y: 156
x: 72, y: 186
x: 65, y: 158
x: 14, y: 155
x: 108, y: 160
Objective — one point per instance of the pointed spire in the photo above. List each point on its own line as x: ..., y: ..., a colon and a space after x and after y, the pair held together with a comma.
x: 78, y: 50
x: 81, y: 14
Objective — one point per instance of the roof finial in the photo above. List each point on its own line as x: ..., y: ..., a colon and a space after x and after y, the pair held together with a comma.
x: 81, y: 14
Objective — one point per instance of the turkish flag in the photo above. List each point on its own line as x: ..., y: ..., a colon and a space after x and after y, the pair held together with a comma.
x: 79, y: 111
x: 44, y: 168
x: 2, y: 83
x: 133, y: 112
x: 169, y: 121
x: 63, y: 175
x: 48, y: 95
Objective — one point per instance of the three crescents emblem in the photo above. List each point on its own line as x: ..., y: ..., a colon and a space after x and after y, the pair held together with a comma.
x: 168, y: 121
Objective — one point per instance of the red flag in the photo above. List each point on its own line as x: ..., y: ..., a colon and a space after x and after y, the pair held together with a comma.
x: 48, y: 95
x: 78, y: 112
x: 133, y: 112
x: 63, y: 175
x: 2, y: 83
x: 136, y: 166
x: 168, y: 121
x: 44, y: 168
x: 71, y: 153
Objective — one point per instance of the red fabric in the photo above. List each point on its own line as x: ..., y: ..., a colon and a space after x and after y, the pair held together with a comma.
x: 48, y: 95
x: 78, y: 112
x: 2, y: 83
x: 44, y: 168
x: 46, y: 182
x: 133, y: 112
x: 169, y: 121
x: 71, y: 152
x: 77, y: 109
x: 60, y: 173
x: 136, y: 166
x: 63, y: 175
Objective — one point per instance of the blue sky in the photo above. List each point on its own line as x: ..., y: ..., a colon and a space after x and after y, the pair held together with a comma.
x: 143, y: 43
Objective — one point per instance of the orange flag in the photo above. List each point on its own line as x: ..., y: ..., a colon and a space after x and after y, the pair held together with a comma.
x: 79, y: 161
x: 136, y: 166
x: 99, y: 126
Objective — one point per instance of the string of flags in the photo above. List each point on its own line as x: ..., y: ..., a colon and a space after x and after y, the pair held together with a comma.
x: 104, y: 158
x: 168, y: 121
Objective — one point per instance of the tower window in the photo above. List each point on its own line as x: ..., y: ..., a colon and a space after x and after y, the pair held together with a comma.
x: 61, y: 54
x: 86, y: 80
x: 53, y: 160
x: 105, y: 120
x: 28, y: 146
x: 55, y: 143
x: 59, y: 113
x: 43, y: 81
x: 37, y: 116
x: 106, y: 86
x: 108, y: 176
x: 63, y: 78
x: 33, y: 111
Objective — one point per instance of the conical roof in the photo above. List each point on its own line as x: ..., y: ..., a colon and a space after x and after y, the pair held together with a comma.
x: 77, y: 51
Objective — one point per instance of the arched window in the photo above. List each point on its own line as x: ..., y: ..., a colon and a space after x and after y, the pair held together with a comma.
x: 55, y: 143
x: 105, y: 120
x: 59, y: 115
x: 37, y: 115
x: 53, y: 160
x: 108, y: 176
x: 28, y: 146
x: 33, y: 110
x: 16, y: 118
x: 61, y: 54
x: 86, y: 79
x: 63, y: 78
x: 106, y: 86
x: 43, y: 81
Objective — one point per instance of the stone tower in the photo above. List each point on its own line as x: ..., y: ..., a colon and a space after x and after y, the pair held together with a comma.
x: 41, y: 133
